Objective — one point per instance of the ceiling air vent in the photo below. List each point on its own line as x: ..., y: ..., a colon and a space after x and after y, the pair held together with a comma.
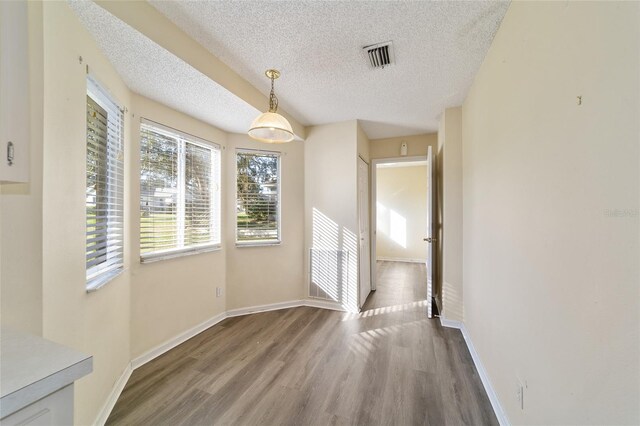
x: 380, y: 54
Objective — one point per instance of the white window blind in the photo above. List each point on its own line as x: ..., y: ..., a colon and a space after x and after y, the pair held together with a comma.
x: 258, y: 197
x: 104, y: 189
x: 179, y: 193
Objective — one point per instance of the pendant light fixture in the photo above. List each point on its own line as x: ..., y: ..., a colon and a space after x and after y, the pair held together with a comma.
x: 271, y: 127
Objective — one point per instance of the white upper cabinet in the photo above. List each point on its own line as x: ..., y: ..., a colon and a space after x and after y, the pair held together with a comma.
x: 14, y: 92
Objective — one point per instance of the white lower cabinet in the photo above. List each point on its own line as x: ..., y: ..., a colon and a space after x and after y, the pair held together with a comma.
x: 54, y: 409
x: 37, y: 379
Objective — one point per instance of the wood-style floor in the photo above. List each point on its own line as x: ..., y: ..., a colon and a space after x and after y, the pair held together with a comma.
x: 388, y: 365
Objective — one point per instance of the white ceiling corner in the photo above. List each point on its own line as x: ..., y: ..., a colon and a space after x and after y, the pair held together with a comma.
x: 150, y: 70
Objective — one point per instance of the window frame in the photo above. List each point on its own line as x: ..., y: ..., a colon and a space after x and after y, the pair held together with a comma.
x: 259, y: 243
x: 96, y: 277
x: 182, y: 138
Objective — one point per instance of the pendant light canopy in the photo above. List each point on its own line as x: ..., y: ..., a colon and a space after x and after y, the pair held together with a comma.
x: 271, y: 127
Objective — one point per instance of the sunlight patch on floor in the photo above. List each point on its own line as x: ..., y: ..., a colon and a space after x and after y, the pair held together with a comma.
x: 383, y: 310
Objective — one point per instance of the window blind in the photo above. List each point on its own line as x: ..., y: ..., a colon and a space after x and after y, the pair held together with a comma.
x: 179, y: 192
x: 104, y: 186
x: 258, y: 197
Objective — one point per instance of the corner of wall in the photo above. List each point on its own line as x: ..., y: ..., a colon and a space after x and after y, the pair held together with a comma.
x: 450, y: 213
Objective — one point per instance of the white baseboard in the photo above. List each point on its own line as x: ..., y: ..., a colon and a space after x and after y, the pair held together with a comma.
x: 484, y: 377
x: 323, y: 304
x: 401, y: 259
x: 264, y: 308
x: 183, y: 337
x: 450, y: 323
x: 314, y: 303
x: 103, y: 415
x: 172, y: 343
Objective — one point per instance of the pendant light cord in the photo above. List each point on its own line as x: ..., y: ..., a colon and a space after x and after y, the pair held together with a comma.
x: 273, y: 100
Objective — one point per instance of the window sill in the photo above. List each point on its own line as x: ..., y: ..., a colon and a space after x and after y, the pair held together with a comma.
x: 150, y: 258
x: 257, y: 243
x: 96, y: 283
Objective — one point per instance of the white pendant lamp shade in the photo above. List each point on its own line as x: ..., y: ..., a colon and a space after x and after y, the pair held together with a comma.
x: 271, y: 127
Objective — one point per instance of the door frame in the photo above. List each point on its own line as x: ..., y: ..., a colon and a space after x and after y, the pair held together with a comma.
x: 360, y: 257
x: 373, y: 222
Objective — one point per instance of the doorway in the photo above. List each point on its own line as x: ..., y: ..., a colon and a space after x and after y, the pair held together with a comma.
x: 401, y: 204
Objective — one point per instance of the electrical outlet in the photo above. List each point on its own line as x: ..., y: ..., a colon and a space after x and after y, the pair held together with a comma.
x: 218, y: 292
x: 520, y: 393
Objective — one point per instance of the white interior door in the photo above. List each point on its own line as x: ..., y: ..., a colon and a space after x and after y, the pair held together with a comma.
x: 430, y: 238
x: 364, y: 257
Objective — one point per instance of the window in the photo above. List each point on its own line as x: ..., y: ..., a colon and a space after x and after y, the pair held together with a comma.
x: 104, y: 190
x: 258, y: 197
x: 179, y: 193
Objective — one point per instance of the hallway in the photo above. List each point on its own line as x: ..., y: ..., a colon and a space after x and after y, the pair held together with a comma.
x: 398, y: 283
x: 388, y: 364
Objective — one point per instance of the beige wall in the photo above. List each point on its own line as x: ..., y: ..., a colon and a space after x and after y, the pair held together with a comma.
x: 43, y: 225
x: 267, y: 274
x: 21, y: 211
x: 547, y: 258
x: 450, y: 161
x: 390, y: 147
x: 364, y: 145
x: 401, y: 194
x: 551, y: 199
x: 331, y: 208
x: 173, y: 295
x: 96, y: 323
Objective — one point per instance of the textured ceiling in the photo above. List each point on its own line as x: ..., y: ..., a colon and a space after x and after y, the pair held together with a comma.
x: 317, y: 45
x: 157, y: 74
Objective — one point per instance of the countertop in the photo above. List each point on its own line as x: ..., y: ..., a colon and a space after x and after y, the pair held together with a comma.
x: 32, y: 367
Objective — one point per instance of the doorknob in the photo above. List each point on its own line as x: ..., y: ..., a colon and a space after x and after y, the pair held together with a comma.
x: 429, y: 240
